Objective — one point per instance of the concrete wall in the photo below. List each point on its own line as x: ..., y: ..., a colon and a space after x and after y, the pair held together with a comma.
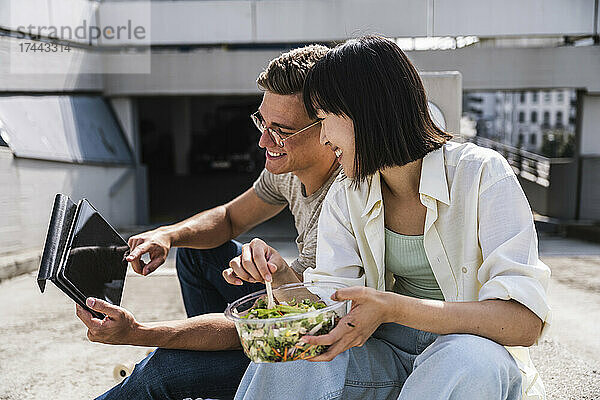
x: 589, y: 208
x: 562, y: 199
x: 23, y: 73
x: 264, y: 21
x: 559, y: 199
x: 590, y: 120
x: 125, y: 112
x: 198, y: 72
x: 28, y: 189
x: 537, y: 195
x: 444, y: 89
x: 517, y: 68
x: 513, y: 17
x: 127, y: 115
x: 219, y: 71
x: 299, y: 21
x: 311, y: 20
x: 71, y: 13
x: 235, y: 72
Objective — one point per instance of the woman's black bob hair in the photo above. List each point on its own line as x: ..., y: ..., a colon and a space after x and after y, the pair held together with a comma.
x: 371, y: 81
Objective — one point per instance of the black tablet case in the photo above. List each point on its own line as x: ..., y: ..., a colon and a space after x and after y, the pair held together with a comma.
x: 61, y: 220
x: 63, y: 213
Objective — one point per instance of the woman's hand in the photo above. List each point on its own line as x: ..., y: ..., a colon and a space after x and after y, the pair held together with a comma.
x: 369, y: 310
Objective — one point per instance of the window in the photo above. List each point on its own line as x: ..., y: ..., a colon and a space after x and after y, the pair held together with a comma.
x: 534, y: 117
x: 547, y: 97
x: 521, y: 116
x: 522, y: 97
x: 532, y: 139
x: 560, y: 97
x: 546, y: 118
x: 79, y: 129
x: 559, y: 118
x: 534, y: 97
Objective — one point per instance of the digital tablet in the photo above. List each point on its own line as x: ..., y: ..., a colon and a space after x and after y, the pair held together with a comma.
x: 93, y: 262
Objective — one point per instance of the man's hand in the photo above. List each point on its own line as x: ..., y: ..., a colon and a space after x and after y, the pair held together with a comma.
x: 369, y: 308
x: 117, y: 327
x: 258, y: 262
x: 157, y: 243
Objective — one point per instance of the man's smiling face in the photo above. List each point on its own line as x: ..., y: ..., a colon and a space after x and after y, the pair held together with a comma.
x: 286, y: 114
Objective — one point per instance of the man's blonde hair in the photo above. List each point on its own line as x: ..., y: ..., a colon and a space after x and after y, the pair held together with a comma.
x: 286, y: 74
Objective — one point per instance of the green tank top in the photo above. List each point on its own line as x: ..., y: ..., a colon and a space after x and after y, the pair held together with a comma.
x: 405, y: 257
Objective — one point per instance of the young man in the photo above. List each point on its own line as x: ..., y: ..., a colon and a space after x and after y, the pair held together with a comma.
x: 298, y: 173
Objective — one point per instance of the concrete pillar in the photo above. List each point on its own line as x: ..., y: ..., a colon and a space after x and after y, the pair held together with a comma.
x: 590, y: 129
x: 126, y: 111
x: 589, y: 155
x: 181, y: 127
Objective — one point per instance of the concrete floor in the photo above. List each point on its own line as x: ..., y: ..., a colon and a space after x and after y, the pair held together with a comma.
x: 44, y: 352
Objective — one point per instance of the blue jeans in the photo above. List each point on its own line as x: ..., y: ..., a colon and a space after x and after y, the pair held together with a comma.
x: 397, y: 362
x: 180, y: 374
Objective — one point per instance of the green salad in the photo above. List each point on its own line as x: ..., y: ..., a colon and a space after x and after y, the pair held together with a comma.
x: 276, y: 342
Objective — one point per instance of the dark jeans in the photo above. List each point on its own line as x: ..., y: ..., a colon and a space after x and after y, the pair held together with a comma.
x: 181, y: 374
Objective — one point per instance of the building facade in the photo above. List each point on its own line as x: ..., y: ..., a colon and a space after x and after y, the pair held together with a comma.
x: 530, y: 120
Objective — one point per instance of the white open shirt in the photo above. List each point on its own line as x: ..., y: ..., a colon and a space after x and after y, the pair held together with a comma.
x: 479, y: 237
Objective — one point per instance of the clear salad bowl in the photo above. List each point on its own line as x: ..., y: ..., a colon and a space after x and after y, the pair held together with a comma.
x: 272, y: 335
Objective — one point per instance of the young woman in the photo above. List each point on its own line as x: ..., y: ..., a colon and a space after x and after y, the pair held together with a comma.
x: 436, y: 239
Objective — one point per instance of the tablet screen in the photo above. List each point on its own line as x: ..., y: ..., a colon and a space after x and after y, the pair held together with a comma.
x: 96, y: 264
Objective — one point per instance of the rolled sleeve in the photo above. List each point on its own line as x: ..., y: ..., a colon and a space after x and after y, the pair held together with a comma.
x: 511, y: 268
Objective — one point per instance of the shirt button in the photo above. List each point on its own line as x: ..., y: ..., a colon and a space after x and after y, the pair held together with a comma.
x: 464, y: 270
x: 438, y: 259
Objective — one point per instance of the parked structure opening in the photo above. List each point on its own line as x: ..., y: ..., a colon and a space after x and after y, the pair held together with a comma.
x: 200, y: 151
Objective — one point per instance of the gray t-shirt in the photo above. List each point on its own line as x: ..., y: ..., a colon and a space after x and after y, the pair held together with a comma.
x: 287, y: 189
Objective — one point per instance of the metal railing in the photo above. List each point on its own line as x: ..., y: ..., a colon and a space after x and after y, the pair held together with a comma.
x: 530, y: 166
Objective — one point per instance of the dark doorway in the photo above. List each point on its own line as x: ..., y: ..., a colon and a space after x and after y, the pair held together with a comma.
x: 200, y: 152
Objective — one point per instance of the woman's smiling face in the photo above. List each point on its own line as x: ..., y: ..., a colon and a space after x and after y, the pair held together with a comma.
x: 337, y: 132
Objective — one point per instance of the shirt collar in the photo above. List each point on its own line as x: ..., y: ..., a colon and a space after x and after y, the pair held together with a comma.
x: 433, y: 176
x: 373, y: 187
x: 433, y: 182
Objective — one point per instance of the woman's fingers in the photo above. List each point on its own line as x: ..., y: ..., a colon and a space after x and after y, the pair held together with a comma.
x: 355, y: 293
x: 336, y: 334
x: 334, y: 350
x: 344, y: 336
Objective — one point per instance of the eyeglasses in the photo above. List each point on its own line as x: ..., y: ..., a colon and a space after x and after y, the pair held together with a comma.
x: 277, y: 136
